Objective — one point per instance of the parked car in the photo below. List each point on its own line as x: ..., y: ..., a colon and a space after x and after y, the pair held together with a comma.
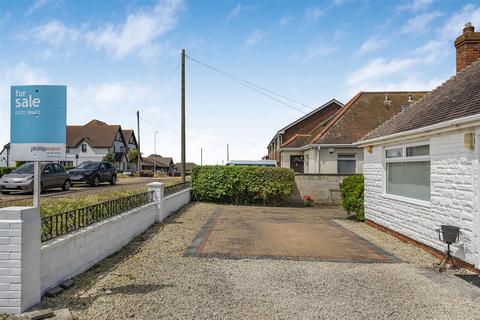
x: 94, y: 173
x: 54, y: 175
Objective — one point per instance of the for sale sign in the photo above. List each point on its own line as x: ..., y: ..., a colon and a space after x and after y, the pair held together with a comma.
x: 38, y: 120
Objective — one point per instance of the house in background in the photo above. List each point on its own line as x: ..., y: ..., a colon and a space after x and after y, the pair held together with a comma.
x: 5, y: 159
x: 188, y: 168
x: 301, y: 127
x: 131, y: 144
x: 328, y: 147
x: 161, y: 164
x: 422, y: 167
x: 93, y: 141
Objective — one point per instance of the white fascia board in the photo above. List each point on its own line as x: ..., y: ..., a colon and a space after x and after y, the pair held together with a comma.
x: 446, y: 126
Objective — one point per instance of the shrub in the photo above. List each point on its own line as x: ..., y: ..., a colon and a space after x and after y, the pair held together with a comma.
x: 4, y: 171
x: 241, y: 184
x: 351, y: 191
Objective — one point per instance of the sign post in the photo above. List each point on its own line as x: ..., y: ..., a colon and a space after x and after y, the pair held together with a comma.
x: 38, y: 124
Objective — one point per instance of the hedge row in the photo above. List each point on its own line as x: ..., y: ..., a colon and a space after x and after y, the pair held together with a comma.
x: 4, y: 171
x: 242, y: 184
x: 351, y: 191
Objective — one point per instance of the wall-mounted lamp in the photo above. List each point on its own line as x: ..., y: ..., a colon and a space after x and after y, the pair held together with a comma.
x: 469, y: 140
x: 370, y: 149
x: 331, y: 150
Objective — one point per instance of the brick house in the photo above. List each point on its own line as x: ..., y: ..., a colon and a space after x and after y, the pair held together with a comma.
x: 301, y: 127
x: 422, y: 167
x: 328, y: 146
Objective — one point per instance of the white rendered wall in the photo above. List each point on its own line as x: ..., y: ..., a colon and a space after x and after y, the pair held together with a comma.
x: 454, y: 196
x: 74, y: 253
x: 175, y: 201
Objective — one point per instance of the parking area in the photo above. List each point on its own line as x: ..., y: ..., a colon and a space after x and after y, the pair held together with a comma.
x: 122, y: 183
x: 152, y: 279
x: 282, y: 233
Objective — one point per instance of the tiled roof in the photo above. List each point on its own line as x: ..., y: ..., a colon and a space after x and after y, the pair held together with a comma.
x: 166, y: 161
x: 456, y: 98
x: 127, y: 134
x: 363, y: 113
x: 97, y: 133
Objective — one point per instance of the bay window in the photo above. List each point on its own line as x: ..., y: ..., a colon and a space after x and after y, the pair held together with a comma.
x: 408, y: 171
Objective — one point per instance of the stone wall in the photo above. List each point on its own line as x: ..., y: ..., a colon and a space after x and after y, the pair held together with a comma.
x: 454, y: 196
x: 324, y: 188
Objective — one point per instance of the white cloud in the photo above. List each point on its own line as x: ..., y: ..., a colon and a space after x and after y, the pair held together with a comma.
x: 318, y: 50
x: 54, y: 33
x: 415, y: 5
x: 255, y: 37
x: 420, y: 23
x: 138, y: 34
x: 373, y: 43
x: 283, y: 22
x: 39, y: 4
x: 313, y: 13
x: 455, y: 24
x: 237, y: 11
x: 117, y: 95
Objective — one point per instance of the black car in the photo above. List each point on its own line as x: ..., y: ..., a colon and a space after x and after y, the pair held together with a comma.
x: 94, y: 173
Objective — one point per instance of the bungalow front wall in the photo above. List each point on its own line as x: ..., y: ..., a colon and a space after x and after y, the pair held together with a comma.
x: 324, y: 159
x: 414, y: 185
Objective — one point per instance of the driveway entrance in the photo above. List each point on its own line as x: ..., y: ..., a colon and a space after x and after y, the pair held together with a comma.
x: 282, y: 233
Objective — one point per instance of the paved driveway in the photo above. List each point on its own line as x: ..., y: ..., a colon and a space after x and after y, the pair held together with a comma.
x: 282, y: 233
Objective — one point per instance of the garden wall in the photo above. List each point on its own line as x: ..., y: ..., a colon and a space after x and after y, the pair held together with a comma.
x: 29, y: 268
x: 324, y: 188
x: 74, y: 253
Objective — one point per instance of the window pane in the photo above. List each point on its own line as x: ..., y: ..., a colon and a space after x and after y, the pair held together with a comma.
x: 346, y: 166
x: 418, y: 151
x: 409, y: 179
x: 394, y: 153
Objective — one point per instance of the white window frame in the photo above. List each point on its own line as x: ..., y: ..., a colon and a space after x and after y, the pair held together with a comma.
x: 404, y: 158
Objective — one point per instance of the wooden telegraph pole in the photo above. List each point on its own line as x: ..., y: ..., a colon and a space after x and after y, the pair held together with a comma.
x: 139, y: 160
x: 183, y: 117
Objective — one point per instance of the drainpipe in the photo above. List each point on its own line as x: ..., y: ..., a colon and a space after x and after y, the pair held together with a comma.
x: 318, y: 158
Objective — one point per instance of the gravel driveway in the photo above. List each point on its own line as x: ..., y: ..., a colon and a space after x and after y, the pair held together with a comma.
x: 150, y: 279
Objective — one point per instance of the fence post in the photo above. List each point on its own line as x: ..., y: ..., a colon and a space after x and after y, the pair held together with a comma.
x: 20, y: 260
x: 158, y: 188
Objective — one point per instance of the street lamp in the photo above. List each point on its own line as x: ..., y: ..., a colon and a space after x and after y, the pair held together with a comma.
x: 155, y: 153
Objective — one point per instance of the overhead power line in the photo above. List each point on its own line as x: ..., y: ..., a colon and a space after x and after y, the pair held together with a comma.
x: 255, y: 87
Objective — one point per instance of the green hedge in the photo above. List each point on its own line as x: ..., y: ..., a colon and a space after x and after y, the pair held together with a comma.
x: 351, y: 191
x: 242, y: 184
x: 4, y: 171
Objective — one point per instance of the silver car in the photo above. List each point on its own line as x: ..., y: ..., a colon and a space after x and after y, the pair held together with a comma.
x: 54, y: 175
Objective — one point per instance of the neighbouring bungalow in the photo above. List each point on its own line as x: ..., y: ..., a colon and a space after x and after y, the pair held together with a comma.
x: 327, y: 146
x: 301, y: 127
x: 422, y: 167
x: 95, y: 140
x: 161, y: 164
x: 188, y: 168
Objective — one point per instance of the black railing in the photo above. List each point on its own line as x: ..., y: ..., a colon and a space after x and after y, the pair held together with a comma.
x: 176, y: 188
x: 60, y: 224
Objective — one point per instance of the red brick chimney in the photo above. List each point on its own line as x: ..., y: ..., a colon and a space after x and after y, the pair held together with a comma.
x: 468, y: 47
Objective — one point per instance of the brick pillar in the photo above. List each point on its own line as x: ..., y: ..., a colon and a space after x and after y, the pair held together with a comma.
x: 157, y: 188
x: 20, y: 274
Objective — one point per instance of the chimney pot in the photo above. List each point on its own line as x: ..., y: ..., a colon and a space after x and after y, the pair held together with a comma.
x: 469, y: 28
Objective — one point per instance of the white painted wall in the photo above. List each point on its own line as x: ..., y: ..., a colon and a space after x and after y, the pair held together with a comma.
x: 454, y: 196
x: 174, y: 202
x: 28, y: 268
x: 92, y: 154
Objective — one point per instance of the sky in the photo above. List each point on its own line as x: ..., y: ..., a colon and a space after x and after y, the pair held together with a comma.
x: 117, y: 57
